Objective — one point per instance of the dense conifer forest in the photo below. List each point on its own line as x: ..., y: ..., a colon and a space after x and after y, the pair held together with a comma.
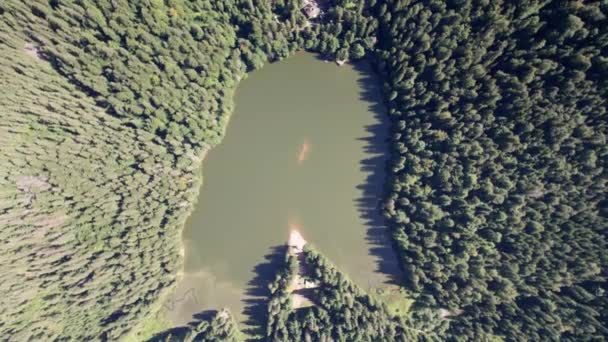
x: 498, y: 191
x: 340, y: 310
x: 496, y: 198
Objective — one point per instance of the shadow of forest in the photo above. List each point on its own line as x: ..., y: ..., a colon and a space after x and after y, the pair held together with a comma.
x: 373, y: 189
x: 179, y: 333
x: 258, y: 293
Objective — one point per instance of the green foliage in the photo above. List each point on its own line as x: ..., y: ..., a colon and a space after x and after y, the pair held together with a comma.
x: 496, y: 196
x: 108, y: 108
x: 220, y: 327
x: 496, y: 192
x: 341, y: 310
x: 89, y: 208
x: 398, y: 303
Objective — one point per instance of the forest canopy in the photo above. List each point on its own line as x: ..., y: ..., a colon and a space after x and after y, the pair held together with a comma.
x: 496, y: 195
x: 339, y: 310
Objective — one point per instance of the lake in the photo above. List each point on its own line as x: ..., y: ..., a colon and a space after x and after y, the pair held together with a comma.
x: 304, y: 149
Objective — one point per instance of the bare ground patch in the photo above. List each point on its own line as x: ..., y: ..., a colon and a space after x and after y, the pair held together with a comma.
x: 301, y: 286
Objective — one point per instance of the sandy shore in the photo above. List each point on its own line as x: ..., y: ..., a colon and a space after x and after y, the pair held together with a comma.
x: 296, y: 241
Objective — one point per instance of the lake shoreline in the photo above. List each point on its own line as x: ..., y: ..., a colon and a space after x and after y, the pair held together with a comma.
x: 354, y: 257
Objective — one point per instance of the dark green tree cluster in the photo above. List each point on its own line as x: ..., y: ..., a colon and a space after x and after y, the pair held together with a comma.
x: 346, y: 31
x: 497, y: 196
x: 107, y: 110
x: 497, y: 190
x: 165, y: 66
x: 279, y: 304
x: 341, y: 312
x: 267, y: 30
x: 90, y: 210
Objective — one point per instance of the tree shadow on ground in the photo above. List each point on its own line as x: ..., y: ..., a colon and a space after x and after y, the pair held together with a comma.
x: 179, y: 333
x: 374, y: 187
x: 258, y: 293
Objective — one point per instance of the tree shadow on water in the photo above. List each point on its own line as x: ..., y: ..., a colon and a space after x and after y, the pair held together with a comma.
x: 374, y: 165
x: 256, y: 300
x: 258, y: 293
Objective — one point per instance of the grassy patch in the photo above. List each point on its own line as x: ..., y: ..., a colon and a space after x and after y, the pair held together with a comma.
x: 149, y: 328
x: 396, y: 299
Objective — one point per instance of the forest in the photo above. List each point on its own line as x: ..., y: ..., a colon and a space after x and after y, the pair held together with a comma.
x: 496, y: 195
x: 340, y: 310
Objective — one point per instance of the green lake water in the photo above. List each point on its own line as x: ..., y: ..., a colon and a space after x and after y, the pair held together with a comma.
x: 304, y: 149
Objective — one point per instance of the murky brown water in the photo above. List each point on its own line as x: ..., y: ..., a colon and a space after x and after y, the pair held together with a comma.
x: 303, y: 150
